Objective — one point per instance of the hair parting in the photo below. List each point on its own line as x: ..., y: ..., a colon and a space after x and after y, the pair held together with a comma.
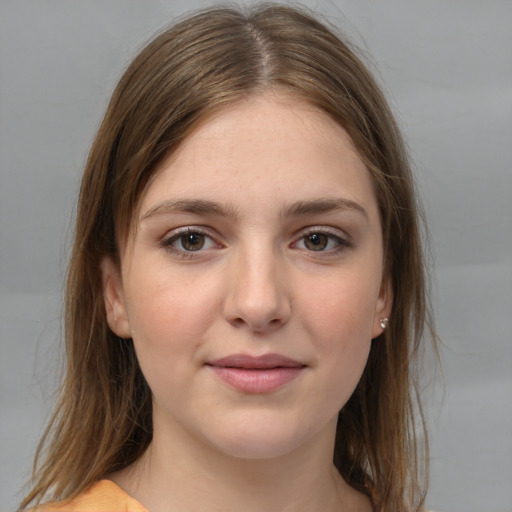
x: 188, y: 73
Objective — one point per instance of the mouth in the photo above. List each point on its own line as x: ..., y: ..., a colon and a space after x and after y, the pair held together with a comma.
x: 256, y: 375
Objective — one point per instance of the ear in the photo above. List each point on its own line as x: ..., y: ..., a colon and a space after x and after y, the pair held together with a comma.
x: 113, y: 295
x: 383, y: 308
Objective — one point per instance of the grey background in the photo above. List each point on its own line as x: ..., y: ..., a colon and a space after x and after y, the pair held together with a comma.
x: 448, y: 69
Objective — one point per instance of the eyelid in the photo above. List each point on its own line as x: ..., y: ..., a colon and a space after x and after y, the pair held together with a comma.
x: 327, y: 230
x: 344, y: 239
x: 173, y: 235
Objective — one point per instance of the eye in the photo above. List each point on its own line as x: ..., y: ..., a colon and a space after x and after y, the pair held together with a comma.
x: 189, y: 240
x: 321, y: 241
x: 316, y: 241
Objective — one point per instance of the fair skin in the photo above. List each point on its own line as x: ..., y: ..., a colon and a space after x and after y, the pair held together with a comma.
x: 259, y: 241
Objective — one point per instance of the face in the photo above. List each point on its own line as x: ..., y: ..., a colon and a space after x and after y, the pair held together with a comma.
x: 253, y: 286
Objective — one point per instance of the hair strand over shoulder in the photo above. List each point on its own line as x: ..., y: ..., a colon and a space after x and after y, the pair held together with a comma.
x: 188, y: 73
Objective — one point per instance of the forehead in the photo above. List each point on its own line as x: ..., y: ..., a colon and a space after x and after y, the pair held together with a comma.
x: 269, y: 149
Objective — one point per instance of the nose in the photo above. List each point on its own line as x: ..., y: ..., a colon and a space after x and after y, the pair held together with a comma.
x: 257, y: 298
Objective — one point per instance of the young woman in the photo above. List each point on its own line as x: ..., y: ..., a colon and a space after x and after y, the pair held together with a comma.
x: 246, y: 292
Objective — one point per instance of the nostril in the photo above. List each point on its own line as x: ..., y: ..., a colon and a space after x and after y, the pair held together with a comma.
x: 257, y: 327
x: 238, y: 322
x: 255, y: 308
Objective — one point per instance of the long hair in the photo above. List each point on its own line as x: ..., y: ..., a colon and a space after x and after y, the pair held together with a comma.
x: 102, y: 421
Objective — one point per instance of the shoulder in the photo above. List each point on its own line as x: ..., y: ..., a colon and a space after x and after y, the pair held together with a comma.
x: 103, y: 496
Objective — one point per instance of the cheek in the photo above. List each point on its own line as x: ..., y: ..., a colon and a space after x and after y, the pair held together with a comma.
x: 169, y: 304
x: 339, y: 318
x: 342, y: 306
x: 168, y: 318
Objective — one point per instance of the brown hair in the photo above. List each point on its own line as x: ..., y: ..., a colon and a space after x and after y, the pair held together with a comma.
x: 102, y: 421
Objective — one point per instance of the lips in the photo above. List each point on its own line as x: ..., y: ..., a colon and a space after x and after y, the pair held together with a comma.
x: 256, y: 375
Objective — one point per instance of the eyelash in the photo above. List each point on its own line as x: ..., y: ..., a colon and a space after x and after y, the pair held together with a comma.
x: 333, y: 236
x: 341, y: 243
x: 167, y: 242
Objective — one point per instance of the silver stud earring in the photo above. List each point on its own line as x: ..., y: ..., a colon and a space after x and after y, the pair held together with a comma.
x: 383, y: 322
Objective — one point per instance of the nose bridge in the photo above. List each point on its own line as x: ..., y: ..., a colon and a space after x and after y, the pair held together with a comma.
x: 258, y: 297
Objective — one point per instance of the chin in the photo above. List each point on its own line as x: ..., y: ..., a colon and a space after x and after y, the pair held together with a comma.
x: 258, y: 441
x: 257, y: 449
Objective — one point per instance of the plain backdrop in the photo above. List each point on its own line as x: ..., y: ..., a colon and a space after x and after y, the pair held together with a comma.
x: 447, y: 68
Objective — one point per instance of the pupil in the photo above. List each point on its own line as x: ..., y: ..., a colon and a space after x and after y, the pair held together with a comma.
x: 193, y: 241
x: 316, y: 242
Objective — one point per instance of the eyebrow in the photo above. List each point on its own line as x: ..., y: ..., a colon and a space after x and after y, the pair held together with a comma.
x: 193, y: 206
x: 205, y: 207
x: 324, y: 205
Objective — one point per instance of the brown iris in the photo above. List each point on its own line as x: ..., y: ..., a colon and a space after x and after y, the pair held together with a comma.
x: 316, y: 241
x: 192, y: 241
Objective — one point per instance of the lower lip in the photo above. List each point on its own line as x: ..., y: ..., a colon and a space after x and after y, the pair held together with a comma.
x: 257, y: 381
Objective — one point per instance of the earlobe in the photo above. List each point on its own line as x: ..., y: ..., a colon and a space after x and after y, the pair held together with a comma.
x: 115, y: 308
x: 384, y: 305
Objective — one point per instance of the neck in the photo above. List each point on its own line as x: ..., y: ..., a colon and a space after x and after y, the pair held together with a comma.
x: 187, y: 475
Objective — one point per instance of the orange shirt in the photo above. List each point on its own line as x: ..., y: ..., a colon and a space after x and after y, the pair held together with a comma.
x: 103, y: 496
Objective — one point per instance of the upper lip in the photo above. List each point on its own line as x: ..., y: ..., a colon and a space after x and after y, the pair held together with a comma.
x: 266, y: 361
